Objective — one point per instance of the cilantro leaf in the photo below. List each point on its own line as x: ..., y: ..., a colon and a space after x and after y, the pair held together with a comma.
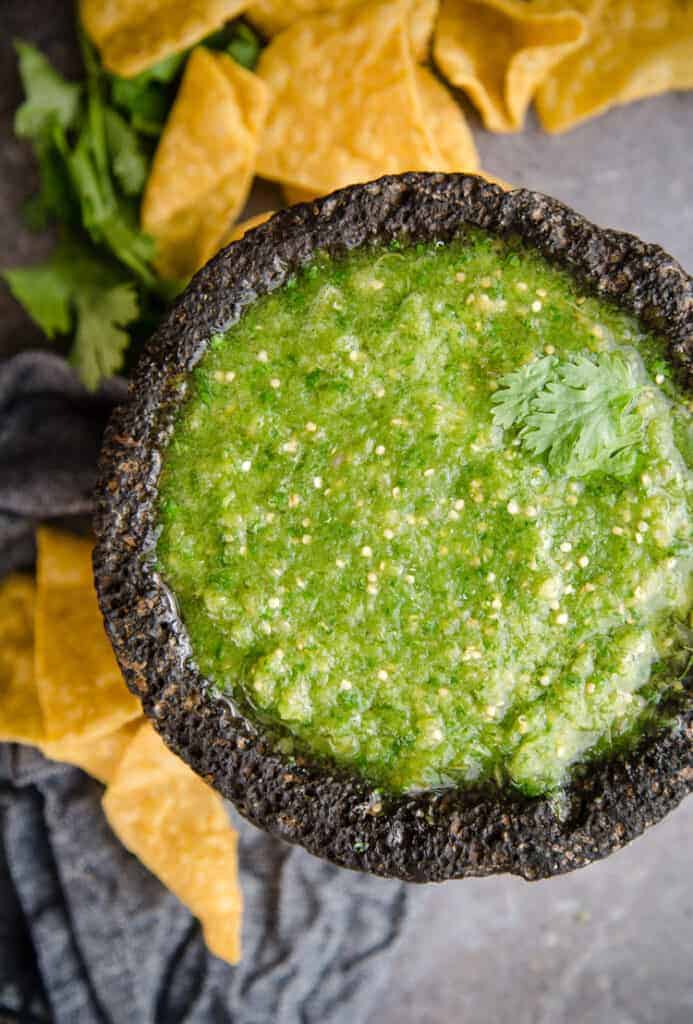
x: 134, y: 249
x: 45, y: 295
x: 578, y: 412
x: 93, y: 192
x: 110, y: 222
x: 520, y: 388
x: 145, y: 108
x: 244, y: 45
x: 95, y: 127
x: 52, y: 106
x: 50, y: 99
x: 77, y: 179
x: 583, y: 419
x: 129, y: 163
x: 78, y: 290
x: 146, y: 98
x: 54, y: 200
x: 100, y: 339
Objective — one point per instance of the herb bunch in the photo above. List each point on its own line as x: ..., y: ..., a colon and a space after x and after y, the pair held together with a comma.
x: 94, y: 141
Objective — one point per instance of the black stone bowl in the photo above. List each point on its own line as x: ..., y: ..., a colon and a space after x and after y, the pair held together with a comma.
x: 430, y: 836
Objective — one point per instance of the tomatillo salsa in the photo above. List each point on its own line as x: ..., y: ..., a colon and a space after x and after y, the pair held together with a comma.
x: 426, y: 511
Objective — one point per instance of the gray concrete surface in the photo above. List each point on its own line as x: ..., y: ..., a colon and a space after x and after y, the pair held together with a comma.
x: 612, y: 944
x: 628, y: 169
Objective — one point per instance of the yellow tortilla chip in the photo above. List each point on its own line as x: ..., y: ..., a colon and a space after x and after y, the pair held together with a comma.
x: 80, y: 687
x: 238, y: 230
x: 131, y: 35
x: 64, y: 559
x: 204, y: 164
x: 422, y: 18
x: 500, y: 51
x: 98, y: 756
x: 21, y: 720
x: 636, y: 48
x: 295, y: 195
x: 272, y: 16
x: 329, y: 127
x: 447, y: 125
x: 222, y: 934
x: 506, y: 186
x: 177, y: 826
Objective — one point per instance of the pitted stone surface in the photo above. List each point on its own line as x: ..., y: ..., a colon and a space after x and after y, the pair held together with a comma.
x: 430, y: 836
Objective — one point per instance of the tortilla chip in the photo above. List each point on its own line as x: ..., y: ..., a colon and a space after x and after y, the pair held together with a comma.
x: 222, y: 934
x: 131, y: 35
x: 328, y: 127
x: 80, y: 688
x: 500, y: 51
x: 446, y: 123
x: 506, y: 186
x: 238, y: 230
x: 21, y: 720
x: 422, y: 19
x: 204, y: 164
x: 98, y: 756
x: 298, y: 195
x: 273, y: 16
x: 636, y: 48
x: 177, y: 826
x: 64, y: 559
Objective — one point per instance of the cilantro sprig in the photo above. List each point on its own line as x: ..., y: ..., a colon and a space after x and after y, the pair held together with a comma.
x: 579, y: 412
x: 92, y: 299
x: 99, y: 282
x: 94, y: 141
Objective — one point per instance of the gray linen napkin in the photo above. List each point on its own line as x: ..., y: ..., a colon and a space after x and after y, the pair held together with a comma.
x: 87, y: 934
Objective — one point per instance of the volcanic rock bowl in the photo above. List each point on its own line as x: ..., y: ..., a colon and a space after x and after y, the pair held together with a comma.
x: 429, y: 836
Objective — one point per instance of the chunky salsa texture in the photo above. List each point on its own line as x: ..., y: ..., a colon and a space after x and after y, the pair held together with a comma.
x: 425, y: 511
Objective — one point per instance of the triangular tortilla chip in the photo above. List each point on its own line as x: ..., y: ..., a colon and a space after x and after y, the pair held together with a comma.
x: 295, y: 195
x: 204, y: 164
x: 500, y: 51
x: 21, y: 717
x: 447, y: 125
x: 238, y: 230
x: 329, y: 127
x: 98, y: 756
x: 636, y: 48
x: 178, y: 827
x: 273, y: 16
x: 131, y: 35
x: 80, y: 688
x: 222, y: 934
x: 21, y: 720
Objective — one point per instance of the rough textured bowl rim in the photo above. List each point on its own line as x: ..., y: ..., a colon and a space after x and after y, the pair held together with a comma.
x: 429, y: 836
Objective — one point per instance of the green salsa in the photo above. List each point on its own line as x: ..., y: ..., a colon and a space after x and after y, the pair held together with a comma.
x: 425, y: 511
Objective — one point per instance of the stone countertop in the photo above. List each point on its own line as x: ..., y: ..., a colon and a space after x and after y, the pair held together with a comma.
x: 610, y: 944
x: 613, y: 942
